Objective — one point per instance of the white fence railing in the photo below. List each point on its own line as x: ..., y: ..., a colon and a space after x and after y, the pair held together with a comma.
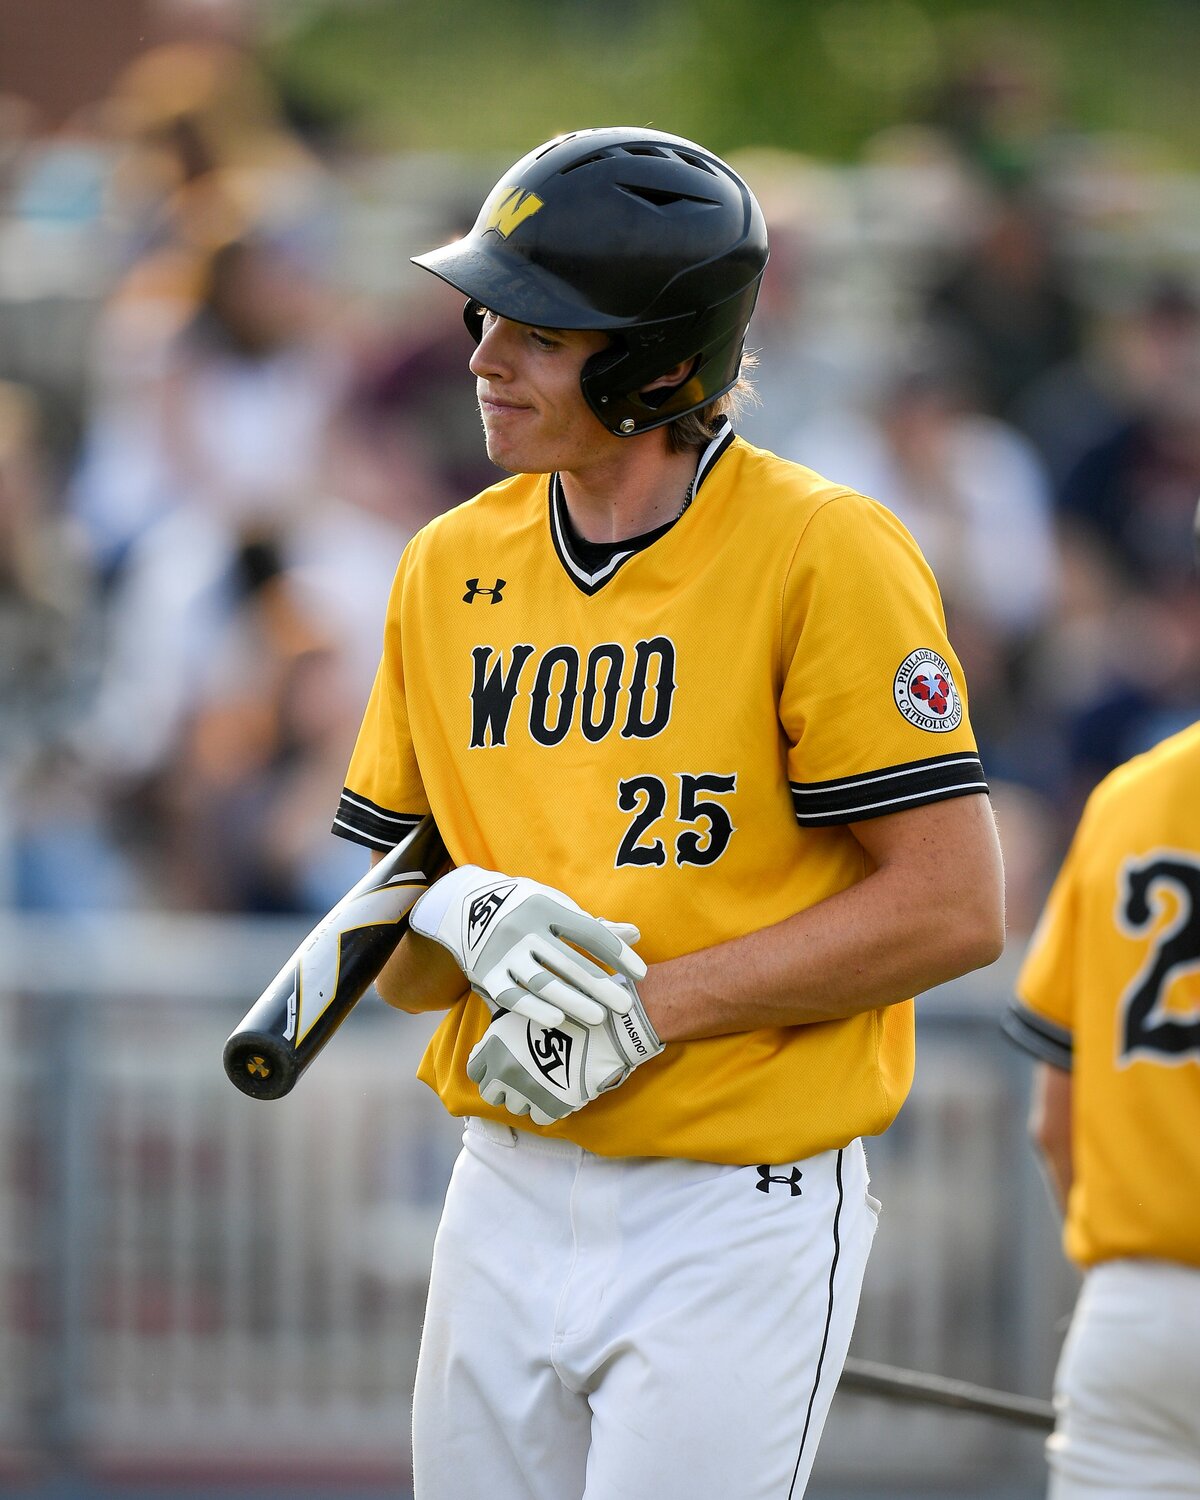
x: 192, y: 1282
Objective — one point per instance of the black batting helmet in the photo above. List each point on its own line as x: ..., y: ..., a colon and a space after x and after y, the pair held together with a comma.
x: 644, y: 236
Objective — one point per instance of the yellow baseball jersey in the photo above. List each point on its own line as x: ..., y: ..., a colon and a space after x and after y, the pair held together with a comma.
x: 679, y: 735
x: 1110, y: 989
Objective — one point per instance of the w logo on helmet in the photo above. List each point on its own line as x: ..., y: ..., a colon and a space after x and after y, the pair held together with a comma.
x: 509, y: 209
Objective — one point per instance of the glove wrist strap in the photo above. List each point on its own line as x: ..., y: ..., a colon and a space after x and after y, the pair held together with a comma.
x: 634, y: 1035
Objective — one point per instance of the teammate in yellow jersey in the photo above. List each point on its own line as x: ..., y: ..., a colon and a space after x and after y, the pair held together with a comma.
x: 688, y: 720
x: 1108, y: 1000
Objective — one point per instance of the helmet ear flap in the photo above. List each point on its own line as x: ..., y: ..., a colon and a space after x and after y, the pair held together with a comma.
x: 606, y: 383
x: 597, y: 367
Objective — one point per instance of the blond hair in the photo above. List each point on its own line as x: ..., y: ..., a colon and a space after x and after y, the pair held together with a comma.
x: 696, y: 429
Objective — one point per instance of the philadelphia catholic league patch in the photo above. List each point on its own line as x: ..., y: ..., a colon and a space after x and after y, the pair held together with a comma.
x: 925, y: 692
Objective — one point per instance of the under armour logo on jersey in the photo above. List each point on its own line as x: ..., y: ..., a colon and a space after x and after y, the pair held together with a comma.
x: 495, y: 593
x: 551, y: 1051
x: 767, y: 1180
x: 482, y: 910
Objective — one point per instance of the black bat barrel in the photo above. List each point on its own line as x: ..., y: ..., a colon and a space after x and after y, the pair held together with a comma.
x: 262, y: 1057
x: 331, y: 970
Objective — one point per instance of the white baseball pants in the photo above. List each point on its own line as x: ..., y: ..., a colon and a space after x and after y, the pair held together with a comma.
x: 636, y: 1328
x: 1128, y: 1386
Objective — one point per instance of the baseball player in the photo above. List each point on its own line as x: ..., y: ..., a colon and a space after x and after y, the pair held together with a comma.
x: 688, y: 720
x: 1108, y: 1001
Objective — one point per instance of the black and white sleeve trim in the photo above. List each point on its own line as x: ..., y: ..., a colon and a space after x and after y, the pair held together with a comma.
x: 1034, y: 1034
x: 365, y: 822
x: 822, y: 804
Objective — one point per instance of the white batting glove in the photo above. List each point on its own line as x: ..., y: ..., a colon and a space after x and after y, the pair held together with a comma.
x: 518, y: 941
x: 548, y: 1073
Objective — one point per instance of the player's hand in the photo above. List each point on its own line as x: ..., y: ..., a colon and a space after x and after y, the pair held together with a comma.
x: 548, y: 1073
x: 519, y: 944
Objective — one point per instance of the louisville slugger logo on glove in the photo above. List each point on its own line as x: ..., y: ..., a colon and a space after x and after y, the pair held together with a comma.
x: 480, y: 913
x: 527, y: 948
x: 551, y: 1052
x: 548, y: 1073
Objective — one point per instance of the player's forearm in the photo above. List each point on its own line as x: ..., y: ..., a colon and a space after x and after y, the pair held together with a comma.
x: 932, y: 910
x: 420, y: 976
x: 865, y: 948
x: 1057, y: 1170
x: 1050, y: 1129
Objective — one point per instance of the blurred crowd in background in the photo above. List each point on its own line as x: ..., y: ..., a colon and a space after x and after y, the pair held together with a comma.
x: 216, y: 436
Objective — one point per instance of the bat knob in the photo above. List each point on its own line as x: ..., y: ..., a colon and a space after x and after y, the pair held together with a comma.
x: 260, y: 1065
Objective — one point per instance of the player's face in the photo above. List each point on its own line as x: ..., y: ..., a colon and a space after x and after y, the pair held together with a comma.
x: 527, y: 383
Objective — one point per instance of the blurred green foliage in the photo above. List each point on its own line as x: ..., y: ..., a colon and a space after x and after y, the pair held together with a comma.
x: 816, y: 76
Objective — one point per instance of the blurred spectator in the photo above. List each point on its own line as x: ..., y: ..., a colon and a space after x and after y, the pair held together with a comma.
x: 1150, y: 687
x: 381, y: 477
x: 67, y: 853
x: 121, y: 482
x: 1123, y: 671
x: 252, y: 714
x: 232, y: 415
x: 43, y: 583
x: 970, y: 489
x: 1006, y: 298
x: 203, y: 454
x: 1133, y: 357
x: 1031, y: 837
x: 413, y: 393
x: 974, y: 494
x: 1135, y: 484
x: 222, y: 219
x: 53, y: 822
x: 249, y: 387
x: 809, y: 355
x: 204, y: 150
x: 1115, y: 669
x: 997, y: 102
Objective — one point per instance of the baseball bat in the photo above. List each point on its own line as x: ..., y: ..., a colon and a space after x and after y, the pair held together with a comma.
x: 869, y: 1379
x: 331, y: 970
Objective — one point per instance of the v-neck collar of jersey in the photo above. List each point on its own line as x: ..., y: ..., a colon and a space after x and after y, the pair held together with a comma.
x: 590, y: 577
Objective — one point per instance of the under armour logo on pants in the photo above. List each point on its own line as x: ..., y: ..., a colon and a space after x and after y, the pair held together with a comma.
x: 767, y: 1179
